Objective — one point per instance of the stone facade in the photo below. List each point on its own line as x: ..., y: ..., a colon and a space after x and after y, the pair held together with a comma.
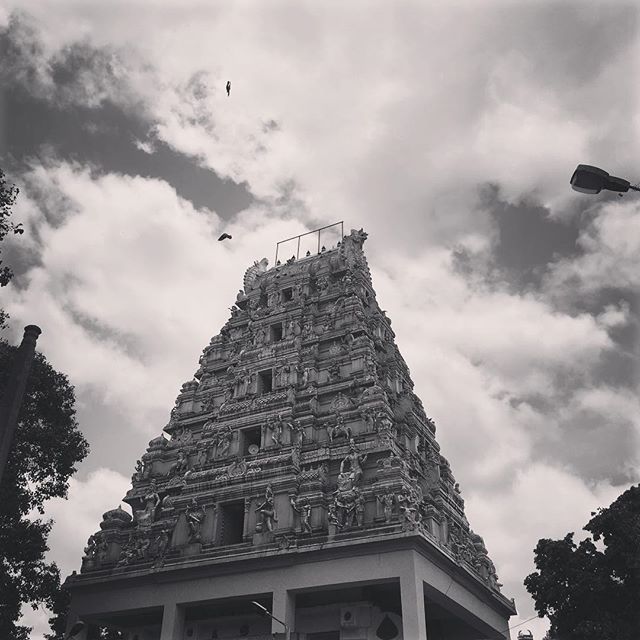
x: 300, y: 431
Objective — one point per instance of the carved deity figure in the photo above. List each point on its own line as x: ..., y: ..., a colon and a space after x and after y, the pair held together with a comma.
x: 307, y: 329
x: 354, y: 461
x: 91, y: 550
x: 385, y: 427
x: 182, y: 463
x: 160, y: 545
x: 273, y: 298
x: 409, y: 509
x: 258, y: 337
x: 194, y: 516
x: 332, y: 516
x: 145, y: 517
x: 128, y: 553
x: 369, y: 365
x: 239, y: 383
x: 202, y: 456
x: 303, y: 509
x: 304, y: 380
x: 223, y: 442
x: 387, y: 500
x: 296, y: 452
x: 139, y: 472
x: 103, y: 551
x: 282, y: 375
x: 345, y: 500
x: 181, y: 438
x: 296, y: 428
x: 368, y: 417
x: 334, y: 372
x: 141, y: 548
x: 267, y: 511
x: 339, y: 429
x: 273, y: 430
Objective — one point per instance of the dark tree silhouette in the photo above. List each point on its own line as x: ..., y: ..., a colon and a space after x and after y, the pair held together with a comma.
x: 46, y: 447
x: 591, y: 591
x: 45, y: 450
x: 8, y: 195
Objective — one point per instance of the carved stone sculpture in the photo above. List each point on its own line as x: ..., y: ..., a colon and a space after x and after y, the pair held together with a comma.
x: 223, y: 441
x: 303, y: 509
x: 297, y: 431
x: 273, y: 431
x: 146, y: 516
x: 91, y: 550
x: 194, y: 516
x: 160, y: 546
x: 387, y: 501
x: 267, y: 511
x: 339, y: 429
x: 353, y: 461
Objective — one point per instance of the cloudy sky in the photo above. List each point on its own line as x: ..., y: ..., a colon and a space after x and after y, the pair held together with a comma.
x: 448, y: 130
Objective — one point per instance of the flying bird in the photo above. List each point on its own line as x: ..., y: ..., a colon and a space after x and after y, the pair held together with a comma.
x: 224, y: 236
x: 228, y: 87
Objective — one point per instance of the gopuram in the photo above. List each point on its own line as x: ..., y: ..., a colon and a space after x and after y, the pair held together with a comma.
x: 301, y: 492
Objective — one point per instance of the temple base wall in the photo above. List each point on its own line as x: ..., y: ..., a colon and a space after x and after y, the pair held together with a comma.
x: 318, y: 600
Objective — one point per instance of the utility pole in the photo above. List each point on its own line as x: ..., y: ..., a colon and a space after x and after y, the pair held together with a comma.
x: 11, y: 400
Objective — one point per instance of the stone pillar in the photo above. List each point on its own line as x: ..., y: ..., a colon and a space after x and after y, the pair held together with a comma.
x: 172, y: 622
x: 414, y: 623
x: 11, y: 400
x: 284, y: 609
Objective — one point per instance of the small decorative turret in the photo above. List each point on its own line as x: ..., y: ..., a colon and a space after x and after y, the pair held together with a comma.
x: 115, y: 519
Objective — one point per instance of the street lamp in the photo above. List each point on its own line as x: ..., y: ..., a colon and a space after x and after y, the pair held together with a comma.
x: 265, y: 612
x: 592, y: 180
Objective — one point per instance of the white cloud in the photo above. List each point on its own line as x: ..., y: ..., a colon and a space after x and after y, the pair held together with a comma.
x: 76, y: 518
x: 131, y: 277
x: 388, y: 117
x: 611, y: 253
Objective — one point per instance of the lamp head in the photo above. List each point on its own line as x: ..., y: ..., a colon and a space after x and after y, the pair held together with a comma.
x: 592, y: 180
x: 263, y: 610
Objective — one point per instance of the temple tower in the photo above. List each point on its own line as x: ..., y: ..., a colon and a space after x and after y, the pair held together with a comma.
x: 302, y: 473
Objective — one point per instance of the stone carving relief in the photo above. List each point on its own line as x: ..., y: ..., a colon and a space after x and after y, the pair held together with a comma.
x: 253, y: 273
x: 302, y: 507
x: 146, y: 517
x: 272, y: 432
x: 267, y: 512
x: 194, y: 516
x: 339, y: 429
x: 387, y: 501
x: 353, y: 462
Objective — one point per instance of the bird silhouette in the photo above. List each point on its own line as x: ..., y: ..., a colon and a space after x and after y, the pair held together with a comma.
x: 228, y: 87
x: 224, y: 236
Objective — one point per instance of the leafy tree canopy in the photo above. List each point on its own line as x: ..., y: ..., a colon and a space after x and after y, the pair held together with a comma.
x: 589, y: 591
x: 46, y: 447
x: 8, y: 195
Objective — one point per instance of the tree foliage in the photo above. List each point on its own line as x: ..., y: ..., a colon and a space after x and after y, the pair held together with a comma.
x: 8, y: 195
x: 46, y: 447
x: 591, y: 591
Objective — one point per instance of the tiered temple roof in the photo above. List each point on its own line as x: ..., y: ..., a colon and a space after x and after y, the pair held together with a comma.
x: 300, y: 431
